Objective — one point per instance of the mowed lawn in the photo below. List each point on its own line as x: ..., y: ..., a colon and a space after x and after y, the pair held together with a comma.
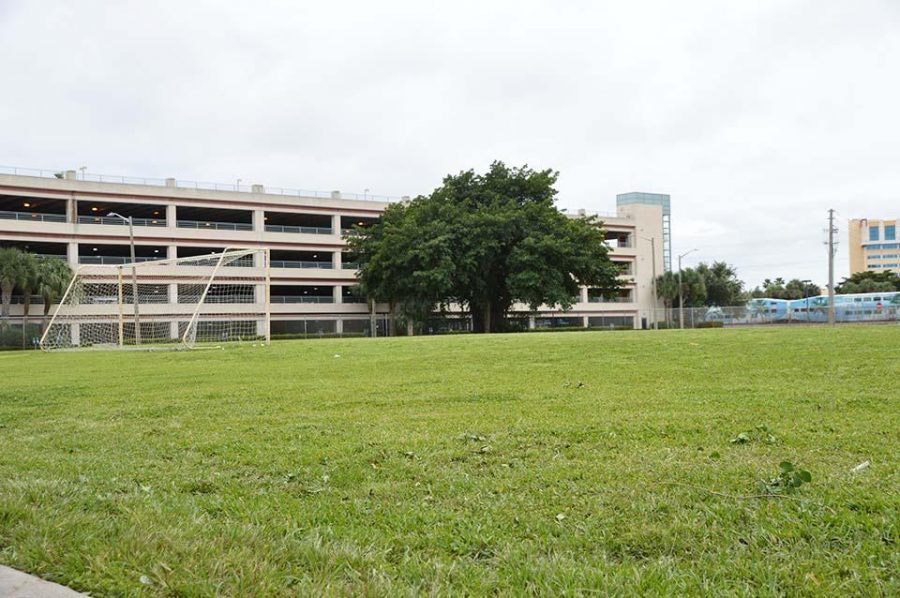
x: 553, y: 464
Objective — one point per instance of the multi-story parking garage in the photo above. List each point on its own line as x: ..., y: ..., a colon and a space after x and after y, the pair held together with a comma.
x: 65, y: 215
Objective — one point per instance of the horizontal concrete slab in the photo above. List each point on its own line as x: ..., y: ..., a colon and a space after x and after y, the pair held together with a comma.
x: 15, y: 584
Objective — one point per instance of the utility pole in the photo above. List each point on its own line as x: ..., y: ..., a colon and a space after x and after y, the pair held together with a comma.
x: 831, y: 249
x: 680, y: 293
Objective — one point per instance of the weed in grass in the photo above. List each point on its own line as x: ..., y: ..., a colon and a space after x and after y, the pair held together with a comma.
x: 787, y: 481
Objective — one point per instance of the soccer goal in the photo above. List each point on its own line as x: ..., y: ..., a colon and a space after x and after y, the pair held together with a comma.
x: 176, y: 303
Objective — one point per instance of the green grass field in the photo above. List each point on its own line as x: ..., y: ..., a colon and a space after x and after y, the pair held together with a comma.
x: 554, y: 464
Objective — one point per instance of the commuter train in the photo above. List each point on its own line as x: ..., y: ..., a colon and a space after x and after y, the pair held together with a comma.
x: 854, y: 307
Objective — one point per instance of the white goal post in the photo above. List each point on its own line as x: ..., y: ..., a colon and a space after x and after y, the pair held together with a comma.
x: 165, y: 304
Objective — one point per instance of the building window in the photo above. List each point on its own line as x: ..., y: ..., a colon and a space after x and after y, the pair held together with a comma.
x: 873, y: 233
x: 890, y: 232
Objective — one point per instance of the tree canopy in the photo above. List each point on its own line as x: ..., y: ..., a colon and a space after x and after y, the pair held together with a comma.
x: 869, y: 282
x: 793, y: 289
x: 484, y: 242
x: 705, y: 285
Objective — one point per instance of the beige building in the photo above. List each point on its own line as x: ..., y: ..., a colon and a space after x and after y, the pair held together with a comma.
x: 634, y: 234
x: 65, y: 216
x: 873, y: 245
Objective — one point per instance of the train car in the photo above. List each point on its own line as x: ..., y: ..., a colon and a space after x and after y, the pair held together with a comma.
x: 853, y: 307
x: 765, y: 310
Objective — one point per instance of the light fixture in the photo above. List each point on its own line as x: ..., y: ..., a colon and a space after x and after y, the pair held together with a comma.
x: 315, y: 255
x: 156, y: 212
x: 360, y: 223
x: 26, y: 204
x: 95, y: 249
x: 156, y: 251
x: 95, y: 209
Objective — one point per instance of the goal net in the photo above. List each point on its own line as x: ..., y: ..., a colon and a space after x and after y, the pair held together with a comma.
x: 171, y: 303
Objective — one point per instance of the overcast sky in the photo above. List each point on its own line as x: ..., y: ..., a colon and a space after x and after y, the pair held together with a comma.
x: 756, y: 116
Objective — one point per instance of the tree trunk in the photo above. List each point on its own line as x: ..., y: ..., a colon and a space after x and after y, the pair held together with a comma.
x: 477, y: 317
x: 393, y: 320
x: 45, y: 319
x: 498, y: 318
x: 25, y: 309
x: 6, y: 298
x: 488, y: 323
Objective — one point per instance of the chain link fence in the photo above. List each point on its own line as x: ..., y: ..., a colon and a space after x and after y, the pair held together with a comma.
x: 724, y: 317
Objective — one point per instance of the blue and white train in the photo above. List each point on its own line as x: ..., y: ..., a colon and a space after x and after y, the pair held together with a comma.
x: 854, y: 307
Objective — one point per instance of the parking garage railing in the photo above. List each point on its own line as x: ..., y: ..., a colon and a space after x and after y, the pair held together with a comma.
x: 203, y: 224
x: 301, y: 299
x: 120, y: 222
x: 32, y: 216
x: 306, y: 230
x: 110, y: 260
x: 600, y: 299
x: 300, y: 264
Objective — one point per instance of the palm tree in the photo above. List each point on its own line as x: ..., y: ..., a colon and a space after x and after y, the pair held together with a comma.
x: 28, y: 282
x: 53, y: 279
x: 667, y: 290
x: 11, y: 274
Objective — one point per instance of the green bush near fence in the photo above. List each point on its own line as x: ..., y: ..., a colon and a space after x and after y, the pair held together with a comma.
x: 11, y: 336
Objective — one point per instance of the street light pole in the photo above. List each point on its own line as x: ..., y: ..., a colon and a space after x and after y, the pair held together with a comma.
x: 680, y: 293
x: 134, y: 282
x: 806, y: 284
x: 653, y: 284
x: 831, y: 231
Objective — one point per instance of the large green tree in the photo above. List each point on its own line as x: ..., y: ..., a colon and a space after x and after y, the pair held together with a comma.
x: 723, y: 288
x: 484, y: 242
